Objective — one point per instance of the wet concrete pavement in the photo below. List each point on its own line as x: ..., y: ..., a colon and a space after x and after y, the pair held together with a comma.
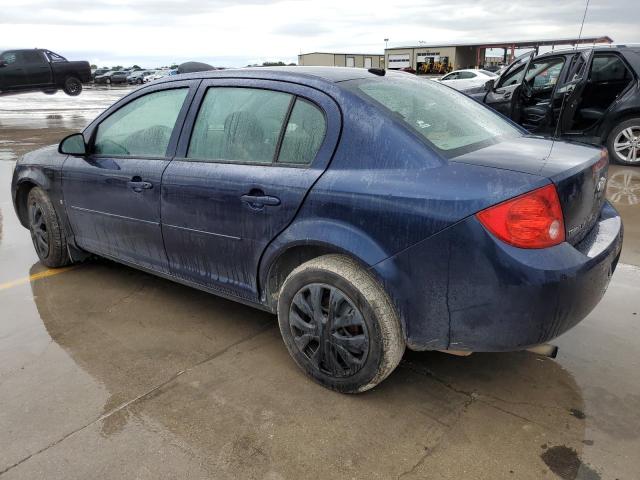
x: 107, y: 372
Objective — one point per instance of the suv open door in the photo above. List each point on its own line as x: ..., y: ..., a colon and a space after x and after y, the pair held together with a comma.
x: 504, y: 94
x: 568, y: 97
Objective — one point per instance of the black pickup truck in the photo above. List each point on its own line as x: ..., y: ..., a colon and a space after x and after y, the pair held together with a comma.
x: 41, y: 70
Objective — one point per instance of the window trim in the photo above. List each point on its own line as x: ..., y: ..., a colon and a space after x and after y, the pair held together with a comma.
x: 274, y: 161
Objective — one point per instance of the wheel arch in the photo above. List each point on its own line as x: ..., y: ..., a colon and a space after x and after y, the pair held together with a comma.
x: 306, y: 240
x: 26, y: 179
x: 615, y: 120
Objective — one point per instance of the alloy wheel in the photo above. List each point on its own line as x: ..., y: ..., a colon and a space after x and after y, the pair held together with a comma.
x: 329, y: 330
x: 38, y: 228
x: 627, y: 144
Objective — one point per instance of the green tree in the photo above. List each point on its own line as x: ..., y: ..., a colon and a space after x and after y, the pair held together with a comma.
x: 93, y: 67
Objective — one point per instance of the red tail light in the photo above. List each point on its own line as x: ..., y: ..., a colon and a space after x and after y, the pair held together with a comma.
x: 532, y: 220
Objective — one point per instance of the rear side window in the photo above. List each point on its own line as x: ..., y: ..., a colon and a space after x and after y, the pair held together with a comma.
x: 304, y: 134
x: 143, y: 127
x: 466, y: 75
x: 32, y: 57
x: 609, y: 68
x: 239, y: 125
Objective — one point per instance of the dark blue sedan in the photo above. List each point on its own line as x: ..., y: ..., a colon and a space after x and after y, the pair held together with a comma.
x: 370, y: 210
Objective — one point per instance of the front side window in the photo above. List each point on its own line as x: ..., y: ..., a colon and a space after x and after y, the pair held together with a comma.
x: 451, y: 76
x: 448, y: 120
x: 32, y: 57
x: 515, y: 72
x: 304, y: 134
x: 239, y: 125
x: 142, y: 127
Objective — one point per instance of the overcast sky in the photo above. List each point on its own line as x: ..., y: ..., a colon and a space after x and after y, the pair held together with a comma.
x: 237, y: 33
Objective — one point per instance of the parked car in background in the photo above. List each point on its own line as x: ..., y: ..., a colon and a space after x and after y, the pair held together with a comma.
x: 138, y: 77
x: 158, y: 74
x: 98, y: 72
x: 41, y: 70
x: 253, y: 185
x: 590, y: 95
x: 113, y: 77
x: 463, y: 80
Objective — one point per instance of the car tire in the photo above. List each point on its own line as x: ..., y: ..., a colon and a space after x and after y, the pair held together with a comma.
x: 72, y: 86
x: 626, y: 132
x: 139, y: 81
x: 46, y: 230
x: 366, y: 322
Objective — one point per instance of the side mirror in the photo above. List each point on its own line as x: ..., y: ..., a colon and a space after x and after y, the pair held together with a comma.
x: 488, y: 86
x: 74, y: 144
x: 3, y: 63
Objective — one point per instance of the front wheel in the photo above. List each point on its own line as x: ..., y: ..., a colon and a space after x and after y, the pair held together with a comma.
x: 339, y: 324
x: 72, y: 86
x: 623, y: 142
x: 47, y: 233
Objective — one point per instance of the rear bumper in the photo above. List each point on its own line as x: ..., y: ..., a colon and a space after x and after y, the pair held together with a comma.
x: 465, y: 290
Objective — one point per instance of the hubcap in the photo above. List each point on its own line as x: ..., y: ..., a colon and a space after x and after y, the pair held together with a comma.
x: 38, y: 230
x: 627, y: 144
x: 329, y: 330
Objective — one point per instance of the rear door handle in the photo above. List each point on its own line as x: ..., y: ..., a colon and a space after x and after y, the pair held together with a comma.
x: 259, y: 201
x: 137, y: 185
x: 507, y: 95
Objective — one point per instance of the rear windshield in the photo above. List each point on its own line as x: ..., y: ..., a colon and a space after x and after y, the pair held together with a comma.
x: 450, y: 122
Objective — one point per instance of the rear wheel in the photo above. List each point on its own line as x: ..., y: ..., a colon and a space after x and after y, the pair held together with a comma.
x: 47, y: 233
x: 339, y: 325
x: 623, y: 142
x: 72, y: 86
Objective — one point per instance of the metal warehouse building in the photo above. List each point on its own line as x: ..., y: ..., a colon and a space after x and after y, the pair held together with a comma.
x: 442, y: 58
x: 360, y: 60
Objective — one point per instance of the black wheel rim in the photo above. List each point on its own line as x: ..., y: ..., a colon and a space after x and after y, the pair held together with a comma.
x: 74, y: 87
x: 39, y: 230
x: 329, y: 330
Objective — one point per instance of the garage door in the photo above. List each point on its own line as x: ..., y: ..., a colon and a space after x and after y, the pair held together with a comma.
x: 367, y: 62
x: 399, y: 61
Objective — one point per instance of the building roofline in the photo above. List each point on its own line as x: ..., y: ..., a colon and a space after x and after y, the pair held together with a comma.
x: 518, y: 44
x: 342, y: 53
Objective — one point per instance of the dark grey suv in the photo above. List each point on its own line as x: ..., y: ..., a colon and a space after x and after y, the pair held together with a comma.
x: 590, y: 95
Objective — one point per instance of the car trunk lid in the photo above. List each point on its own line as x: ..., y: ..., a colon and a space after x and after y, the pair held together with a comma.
x: 579, y: 173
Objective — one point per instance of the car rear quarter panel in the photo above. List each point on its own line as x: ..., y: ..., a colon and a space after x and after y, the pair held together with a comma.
x: 386, y: 190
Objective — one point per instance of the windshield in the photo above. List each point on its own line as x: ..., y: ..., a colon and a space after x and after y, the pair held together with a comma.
x: 450, y: 121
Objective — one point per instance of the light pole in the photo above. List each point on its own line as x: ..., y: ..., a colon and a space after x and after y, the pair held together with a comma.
x: 386, y: 41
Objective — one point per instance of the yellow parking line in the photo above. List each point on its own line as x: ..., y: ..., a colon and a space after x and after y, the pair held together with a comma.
x: 36, y: 276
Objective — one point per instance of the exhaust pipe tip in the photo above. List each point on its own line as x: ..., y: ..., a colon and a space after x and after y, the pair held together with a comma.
x: 544, y: 349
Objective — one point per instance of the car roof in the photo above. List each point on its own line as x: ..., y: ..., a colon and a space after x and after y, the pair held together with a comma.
x: 596, y: 48
x: 326, y: 74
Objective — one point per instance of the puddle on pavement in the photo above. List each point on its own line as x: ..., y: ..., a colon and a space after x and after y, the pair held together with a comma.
x: 623, y: 187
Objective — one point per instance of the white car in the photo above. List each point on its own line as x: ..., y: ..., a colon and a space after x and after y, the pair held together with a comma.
x: 467, y: 79
x: 155, y: 76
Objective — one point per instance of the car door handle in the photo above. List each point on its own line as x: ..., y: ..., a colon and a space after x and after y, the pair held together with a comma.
x: 137, y: 185
x: 507, y: 95
x: 259, y: 201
